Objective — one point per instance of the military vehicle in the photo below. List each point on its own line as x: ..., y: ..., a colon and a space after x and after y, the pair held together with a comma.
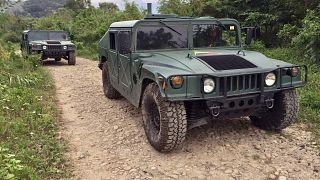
x: 51, y: 44
x: 184, y: 72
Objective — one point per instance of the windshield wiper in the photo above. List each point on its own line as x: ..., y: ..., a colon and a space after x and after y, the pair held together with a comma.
x: 169, y: 27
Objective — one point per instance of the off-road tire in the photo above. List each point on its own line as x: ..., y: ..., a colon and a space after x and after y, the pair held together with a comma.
x: 109, y: 91
x: 43, y: 57
x: 57, y: 59
x: 165, y: 123
x: 283, y: 114
x: 72, y: 58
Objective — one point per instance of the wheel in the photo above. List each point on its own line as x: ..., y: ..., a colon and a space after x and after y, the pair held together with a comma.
x: 165, y: 123
x: 43, y: 57
x: 72, y: 58
x: 283, y: 114
x: 109, y: 91
x: 57, y: 59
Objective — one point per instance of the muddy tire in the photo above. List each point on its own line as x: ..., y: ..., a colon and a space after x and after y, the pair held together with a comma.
x: 165, y: 123
x: 72, y: 58
x: 109, y: 91
x: 57, y: 59
x: 283, y: 114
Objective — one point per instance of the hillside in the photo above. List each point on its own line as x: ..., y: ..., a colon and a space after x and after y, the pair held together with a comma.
x: 36, y: 8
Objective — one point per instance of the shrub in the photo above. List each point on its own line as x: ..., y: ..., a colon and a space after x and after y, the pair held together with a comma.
x: 11, y: 37
x: 287, y: 33
x: 308, y: 38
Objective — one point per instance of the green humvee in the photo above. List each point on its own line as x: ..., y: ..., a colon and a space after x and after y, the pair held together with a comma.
x: 51, y: 44
x: 184, y: 72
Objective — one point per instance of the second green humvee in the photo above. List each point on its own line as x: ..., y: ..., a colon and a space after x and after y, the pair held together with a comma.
x: 183, y: 72
x: 50, y: 44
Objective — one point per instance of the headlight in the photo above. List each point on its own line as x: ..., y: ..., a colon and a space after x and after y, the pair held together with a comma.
x: 176, y: 82
x: 65, y: 47
x: 270, y: 79
x: 44, y: 47
x: 208, y: 85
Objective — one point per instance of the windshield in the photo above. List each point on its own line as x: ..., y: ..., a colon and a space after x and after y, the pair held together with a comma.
x: 162, y: 37
x: 45, y: 35
x: 213, y: 35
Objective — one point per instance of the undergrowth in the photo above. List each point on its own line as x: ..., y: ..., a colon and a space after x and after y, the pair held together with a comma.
x: 29, y: 144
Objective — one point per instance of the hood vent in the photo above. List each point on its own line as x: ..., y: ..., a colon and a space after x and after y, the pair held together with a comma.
x: 227, y: 62
x: 53, y: 42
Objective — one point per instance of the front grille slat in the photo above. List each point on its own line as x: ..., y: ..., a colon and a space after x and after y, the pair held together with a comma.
x: 239, y: 84
x: 54, y: 48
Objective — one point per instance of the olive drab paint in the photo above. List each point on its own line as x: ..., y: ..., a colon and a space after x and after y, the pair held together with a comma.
x: 131, y: 68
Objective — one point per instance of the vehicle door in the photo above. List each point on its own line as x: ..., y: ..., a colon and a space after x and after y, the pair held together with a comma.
x: 124, y: 43
x: 113, y: 65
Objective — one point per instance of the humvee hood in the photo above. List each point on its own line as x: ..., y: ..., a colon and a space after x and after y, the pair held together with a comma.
x: 219, y: 62
x: 52, y: 42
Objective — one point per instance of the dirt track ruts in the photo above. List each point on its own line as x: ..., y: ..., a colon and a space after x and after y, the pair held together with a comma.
x: 106, y: 140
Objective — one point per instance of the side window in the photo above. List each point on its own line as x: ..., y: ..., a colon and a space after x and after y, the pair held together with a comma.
x: 112, y: 37
x: 124, y: 42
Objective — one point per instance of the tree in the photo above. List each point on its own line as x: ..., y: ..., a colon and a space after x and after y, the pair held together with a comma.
x: 109, y: 7
x: 182, y: 7
x: 77, y: 5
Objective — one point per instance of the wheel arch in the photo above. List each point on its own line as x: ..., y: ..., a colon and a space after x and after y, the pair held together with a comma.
x: 144, y: 84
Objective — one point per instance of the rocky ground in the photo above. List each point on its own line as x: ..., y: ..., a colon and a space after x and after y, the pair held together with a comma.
x: 107, y: 140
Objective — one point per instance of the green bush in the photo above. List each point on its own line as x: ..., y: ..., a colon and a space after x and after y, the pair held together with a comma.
x: 11, y: 37
x: 29, y: 146
x: 287, y: 33
x: 308, y: 38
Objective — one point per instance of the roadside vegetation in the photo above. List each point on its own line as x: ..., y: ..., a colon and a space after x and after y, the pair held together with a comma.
x: 29, y: 143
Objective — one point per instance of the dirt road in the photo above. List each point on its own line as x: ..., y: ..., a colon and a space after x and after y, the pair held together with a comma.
x: 107, y: 141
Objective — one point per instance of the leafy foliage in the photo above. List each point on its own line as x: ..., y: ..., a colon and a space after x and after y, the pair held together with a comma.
x: 29, y: 147
x: 309, y: 36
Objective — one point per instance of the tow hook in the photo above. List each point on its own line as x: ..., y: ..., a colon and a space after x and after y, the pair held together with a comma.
x: 269, y: 103
x: 215, y: 111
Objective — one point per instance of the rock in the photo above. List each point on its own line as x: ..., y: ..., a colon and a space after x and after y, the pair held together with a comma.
x: 126, y: 168
x: 272, y: 176
x: 314, y: 143
x: 228, y: 171
x: 115, y: 127
x: 282, y: 178
x: 316, y: 169
x: 257, y: 146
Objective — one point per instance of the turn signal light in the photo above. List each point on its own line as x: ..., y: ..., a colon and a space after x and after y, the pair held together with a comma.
x: 176, y: 81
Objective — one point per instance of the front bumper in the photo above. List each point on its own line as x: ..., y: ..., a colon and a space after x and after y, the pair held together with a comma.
x: 240, y: 105
x: 228, y: 86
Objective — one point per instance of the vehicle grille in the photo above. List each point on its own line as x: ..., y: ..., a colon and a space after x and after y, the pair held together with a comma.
x: 240, y: 84
x: 227, y: 62
x: 54, y: 48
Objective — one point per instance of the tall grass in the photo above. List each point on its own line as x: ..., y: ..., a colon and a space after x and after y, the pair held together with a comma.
x: 29, y: 143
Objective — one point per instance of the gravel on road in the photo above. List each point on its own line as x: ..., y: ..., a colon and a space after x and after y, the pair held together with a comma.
x: 106, y: 140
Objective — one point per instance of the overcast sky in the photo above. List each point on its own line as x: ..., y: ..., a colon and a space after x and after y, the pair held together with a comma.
x: 120, y: 3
